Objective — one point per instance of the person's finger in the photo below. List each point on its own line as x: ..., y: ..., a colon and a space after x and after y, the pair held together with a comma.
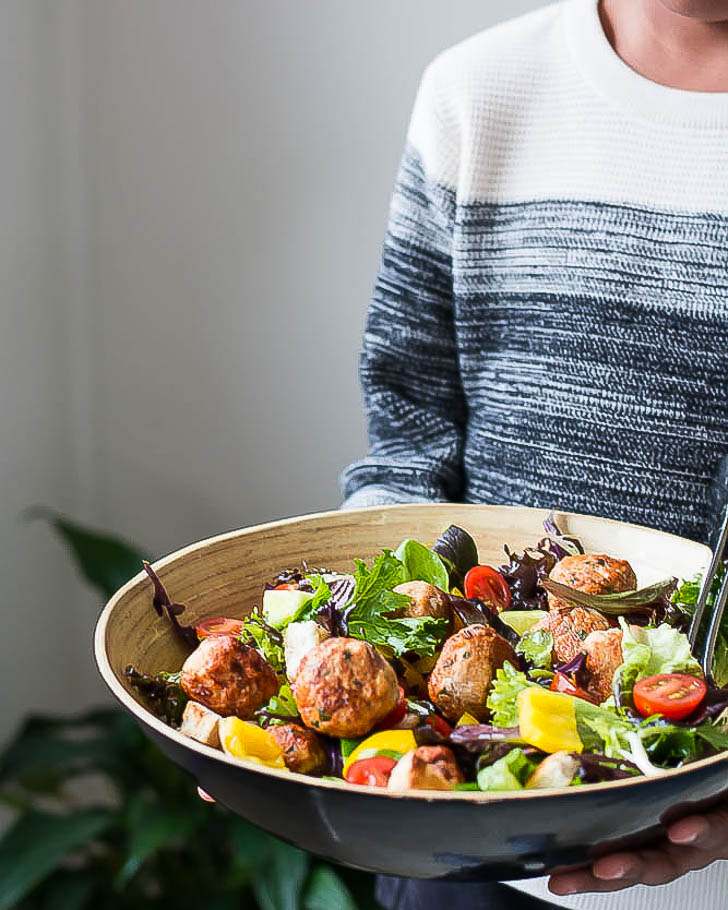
x: 649, y: 866
x: 206, y: 796
x: 583, y: 881
x: 704, y: 832
x: 654, y: 866
x: 692, y: 844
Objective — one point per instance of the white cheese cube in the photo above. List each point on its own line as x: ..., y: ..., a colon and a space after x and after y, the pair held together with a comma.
x: 298, y: 639
x: 200, y: 723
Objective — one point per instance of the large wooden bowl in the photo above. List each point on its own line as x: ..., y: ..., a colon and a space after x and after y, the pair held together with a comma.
x: 459, y: 835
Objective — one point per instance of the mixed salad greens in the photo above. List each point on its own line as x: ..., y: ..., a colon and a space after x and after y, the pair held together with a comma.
x: 427, y: 670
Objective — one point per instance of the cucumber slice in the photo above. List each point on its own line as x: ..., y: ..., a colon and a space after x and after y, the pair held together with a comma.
x: 282, y: 607
x: 521, y: 620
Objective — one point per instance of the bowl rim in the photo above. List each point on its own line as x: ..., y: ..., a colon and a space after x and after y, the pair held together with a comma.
x: 476, y: 797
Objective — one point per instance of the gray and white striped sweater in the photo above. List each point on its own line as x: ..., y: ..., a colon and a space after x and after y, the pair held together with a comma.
x: 550, y: 322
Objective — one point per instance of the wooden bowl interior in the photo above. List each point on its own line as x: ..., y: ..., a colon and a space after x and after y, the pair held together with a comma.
x: 225, y: 575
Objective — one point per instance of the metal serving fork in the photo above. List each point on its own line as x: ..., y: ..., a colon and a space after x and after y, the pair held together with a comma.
x: 703, y: 632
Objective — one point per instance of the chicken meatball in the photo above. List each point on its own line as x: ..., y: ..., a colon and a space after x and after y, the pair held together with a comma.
x: 426, y: 768
x: 229, y: 677
x: 569, y: 627
x: 425, y: 600
x: 301, y: 748
x: 592, y: 574
x: 344, y: 687
x: 464, y: 672
x: 603, y: 656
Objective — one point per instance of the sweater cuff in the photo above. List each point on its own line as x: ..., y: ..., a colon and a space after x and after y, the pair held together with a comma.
x: 373, y: 495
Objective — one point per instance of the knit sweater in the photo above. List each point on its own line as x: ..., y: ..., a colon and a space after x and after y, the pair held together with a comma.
x: 550, y: 322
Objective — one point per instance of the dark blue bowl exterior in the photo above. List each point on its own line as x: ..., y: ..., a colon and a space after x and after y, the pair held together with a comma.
x: 453, y: 840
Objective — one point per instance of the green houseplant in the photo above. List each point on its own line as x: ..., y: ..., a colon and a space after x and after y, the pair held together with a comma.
x: 101, y: 819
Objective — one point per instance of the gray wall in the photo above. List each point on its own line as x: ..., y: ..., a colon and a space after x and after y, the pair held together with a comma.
x: 194, y: 197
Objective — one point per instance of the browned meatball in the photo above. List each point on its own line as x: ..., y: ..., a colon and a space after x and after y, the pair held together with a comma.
x: 464, y: 672
x: 301, y: 748
x: 603, y: 656
x: 570, y: 627
x: 426, y: 768
x: 229, y: 677
x: 592, y: 574
x: 425, y: 600
x: 344, y: 687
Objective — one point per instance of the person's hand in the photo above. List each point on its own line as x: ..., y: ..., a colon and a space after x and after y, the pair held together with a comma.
x: 692, y: 843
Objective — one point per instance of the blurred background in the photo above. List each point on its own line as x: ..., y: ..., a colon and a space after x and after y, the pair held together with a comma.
x: 194, y: 197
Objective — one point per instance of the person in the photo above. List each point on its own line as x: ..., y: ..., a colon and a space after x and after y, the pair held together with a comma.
x: 550, y: 322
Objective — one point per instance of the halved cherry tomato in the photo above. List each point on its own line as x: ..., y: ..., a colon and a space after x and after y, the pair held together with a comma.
x: 439, y: 725
x: 674, y: 695
x: 286, y: 587
x: 396, y: 714
x: 219, y: 625
x: 487, y: 584
x: 562, y: 683
x: 371, y: 772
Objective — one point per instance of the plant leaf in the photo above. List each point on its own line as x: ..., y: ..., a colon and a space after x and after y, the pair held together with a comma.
x: 151, y: 826
x: 69, y: 890
x: 326, y: 890
x: 38, y: 843
x: 105, y: 560
x: 278, y: 884
x: 47, y: 750
x: 250, y: 846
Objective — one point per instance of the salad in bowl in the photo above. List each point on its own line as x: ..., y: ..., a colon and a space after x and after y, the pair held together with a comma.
x: 424, y: 669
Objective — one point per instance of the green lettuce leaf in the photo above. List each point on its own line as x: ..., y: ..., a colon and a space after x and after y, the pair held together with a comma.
x: 503, y: 698
x: 715, y: 735
x: 419, y: 635
x: 421, y: 564
x: 537, y: 645
x: 267, y: 640
x: 321, y: 594
x: 686, y: 597
x: 649, y: 651
x: 282, y: 704
x: 601, y: 729
x: 508, y: 773
x: 372, y: 602
x: 604, y: 730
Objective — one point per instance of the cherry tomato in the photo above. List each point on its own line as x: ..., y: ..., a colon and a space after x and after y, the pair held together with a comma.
x: 286, y: 587
x: 562, y: 683
x: 219, y: 625
x: 396, y: 714
x: 372, y: 772
x: 439, y: 725
x: 674, y: 695
x: 487, y: 584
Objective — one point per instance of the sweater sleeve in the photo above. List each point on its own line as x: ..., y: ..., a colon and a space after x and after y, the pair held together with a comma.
x: 409, y: 365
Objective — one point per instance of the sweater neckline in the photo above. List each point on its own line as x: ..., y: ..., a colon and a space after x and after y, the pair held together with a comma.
x: 610, y: 76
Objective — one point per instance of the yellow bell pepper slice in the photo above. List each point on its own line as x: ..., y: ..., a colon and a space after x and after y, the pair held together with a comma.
x: 402, y: 741
x: 467, y: 720
x: 242, y: 739
x: 548, y: 720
